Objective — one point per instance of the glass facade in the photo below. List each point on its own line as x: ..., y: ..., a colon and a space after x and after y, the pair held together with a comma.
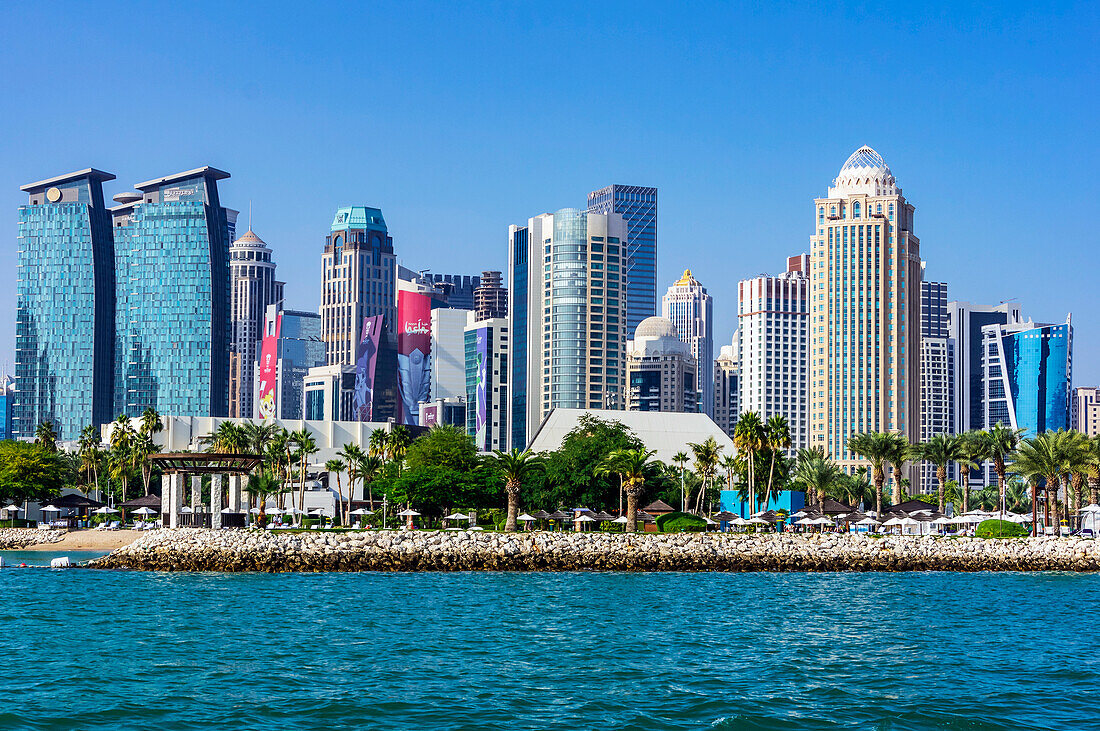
x: 517, y: 317
x: 638, y: 207
x: 300, y: 348
x: 172, y: 257
x: 567, y: 297
x: 1037, y: 364
x: 64, y: 331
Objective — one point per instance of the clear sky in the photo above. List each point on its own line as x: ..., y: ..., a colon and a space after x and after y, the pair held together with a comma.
x: 458, y: 120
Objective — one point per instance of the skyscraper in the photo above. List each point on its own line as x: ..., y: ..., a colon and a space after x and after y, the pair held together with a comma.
x: 490, y: 297
x: 660, y: 369
x: 965, y: 323
x: 173, y: 299
x: 290, y: 347
x: 458, y: 288
x: 486, y: 345
x: 864, y: 310
x: 937, y: 376
x: 520, y: 301
x: 638, y: 207
x: 1028, y: 368
x: 727, y: 405
x: 573, y: 314
x: 254, y: 289
x: 689, y: 307
x: 64, y: 328
x: 772, y: 324
x: 1085, y: 416
x: 358, y: 279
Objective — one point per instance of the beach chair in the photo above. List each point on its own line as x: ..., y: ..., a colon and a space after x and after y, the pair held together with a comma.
x: 113, y: 525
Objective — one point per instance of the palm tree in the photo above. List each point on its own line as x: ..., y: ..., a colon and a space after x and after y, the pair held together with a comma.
x: 777, y: 436
x: 397, y: 445
x: 46, y: 435
x: 1074, y: 447
x: 877, y: 448
x: 142, y: 448
x: 729, y: 464
x: 900, y: 453
x: 227, y: 438
x: 150, y: 422
x: 352, y: 455
x: 335, y: 467
x: 631, y: 466
x: 368, y: 469
x: 261, y: 486
x: 707, y: 455
x: 376, y: 445
x: 1000, y: 446
x: 258, y: 436
x: 974, y: 448
x: 748, y: 437
x: 941, y: 450
x: 681, y: 460
x: 514, y: 466
x: 1039, y: 459
x: 307, y: 446
x: 1093, y: 469
x: 90, y: 453
x: 815, y: 473
x: 119, y: 458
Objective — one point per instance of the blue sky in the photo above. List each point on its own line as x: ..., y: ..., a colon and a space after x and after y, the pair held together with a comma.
x: 458, y: 120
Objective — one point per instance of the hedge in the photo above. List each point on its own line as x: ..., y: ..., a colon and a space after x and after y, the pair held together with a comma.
x: 680, y: 523
x: 999, y: 529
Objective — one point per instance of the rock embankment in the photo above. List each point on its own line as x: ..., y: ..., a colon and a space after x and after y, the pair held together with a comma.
x: 192, y: 549
x: 14, y: 538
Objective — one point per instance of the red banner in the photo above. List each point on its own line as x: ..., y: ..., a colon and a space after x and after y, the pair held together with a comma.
x: 269, y: 361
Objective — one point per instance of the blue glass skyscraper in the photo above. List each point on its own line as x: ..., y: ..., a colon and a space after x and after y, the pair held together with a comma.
x: 1028, y: 370
x: 518, y: 326
x: 638, y: 207
x: 64, y: 330
x: 172, y: 263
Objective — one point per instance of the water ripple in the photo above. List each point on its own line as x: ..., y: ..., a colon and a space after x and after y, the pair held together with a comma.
x: 98, y: 650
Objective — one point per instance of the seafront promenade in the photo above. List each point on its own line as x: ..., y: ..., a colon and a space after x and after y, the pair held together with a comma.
x: 192, y: 549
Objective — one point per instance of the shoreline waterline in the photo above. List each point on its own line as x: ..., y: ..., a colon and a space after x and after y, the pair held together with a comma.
x: 193, y: 549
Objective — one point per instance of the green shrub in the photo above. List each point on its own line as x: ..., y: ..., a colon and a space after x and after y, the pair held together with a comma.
x: 999, y: 529
x: 680, y: 523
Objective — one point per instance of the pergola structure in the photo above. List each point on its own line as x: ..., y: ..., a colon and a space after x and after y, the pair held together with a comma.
x: 219, y: 465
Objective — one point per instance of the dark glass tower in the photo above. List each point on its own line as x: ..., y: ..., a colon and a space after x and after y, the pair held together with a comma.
x: 638, y: 207
x: 172, y: 259
x: 64, y: 328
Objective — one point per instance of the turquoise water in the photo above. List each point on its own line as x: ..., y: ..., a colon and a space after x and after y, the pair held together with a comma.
x: 132, y: 650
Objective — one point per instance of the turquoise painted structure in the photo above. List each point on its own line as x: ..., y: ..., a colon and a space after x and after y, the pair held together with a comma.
x: 789, y: 500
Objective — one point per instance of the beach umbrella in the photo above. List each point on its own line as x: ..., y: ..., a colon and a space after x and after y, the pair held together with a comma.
x: 542, y: 515
x: 708, y: 521
x: 559, y: 515
x: 758, y: 520
x: 51, y: 509
x: 408, y: 513
x: 102, y: 511
x: 228, y: 511
x: 799, y: 514
x: 739, y: 521
x: 459, y: 516
x: 360, y: 511
x: 804, y: 521
x: 822, y: 521
x: 274, y: 511
x: 642, y: 515
x: 892, y: 522
x: 525, y: 518
x: 867, y: 521
x: 943, y: 520
x: 145, y: 511
x: 254, y: 511
x: 1093, y: 508
x: 604, y: 516
x: 186, y: 509
x: 14, y: 508
x: 313, y: 511
x: 292, y: 511
x: 620, y: 519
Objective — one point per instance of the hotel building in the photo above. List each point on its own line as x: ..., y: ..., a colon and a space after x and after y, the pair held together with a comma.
x: 864, y: 310
x: 638, y: 207
x: 253, y: 289
x: 773, y: 323
x: 690, y: 309
x: 937, y: 377
x: 726, y: 388
x: 660, y: 369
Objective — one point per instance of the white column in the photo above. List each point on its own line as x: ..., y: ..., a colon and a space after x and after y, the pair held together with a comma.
x: 166, y: 498
x: 216, y: 501
x: 175, y: 487
x: 236, y: 482
x: 196, y: 492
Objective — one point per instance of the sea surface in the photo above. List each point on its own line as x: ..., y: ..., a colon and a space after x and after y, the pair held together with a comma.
x: 88, y: 649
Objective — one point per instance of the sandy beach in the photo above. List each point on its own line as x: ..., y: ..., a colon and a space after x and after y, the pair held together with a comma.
x: 89, y: 540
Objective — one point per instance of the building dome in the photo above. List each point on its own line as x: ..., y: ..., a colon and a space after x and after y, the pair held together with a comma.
x: 656, y: 327
x: 249, y: 239
x: 864, y: 172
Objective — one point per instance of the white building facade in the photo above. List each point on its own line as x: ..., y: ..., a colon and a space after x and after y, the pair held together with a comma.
x: 727, y: 400
x: 773, y: 326
x: 660, y: 369
x: 690, y: 309
x: 253, y: 289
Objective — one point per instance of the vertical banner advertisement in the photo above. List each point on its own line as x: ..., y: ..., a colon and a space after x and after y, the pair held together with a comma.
x: 269, y: 362
x: 366, y: 357
x: 414, y: 345
x: 482, y: 397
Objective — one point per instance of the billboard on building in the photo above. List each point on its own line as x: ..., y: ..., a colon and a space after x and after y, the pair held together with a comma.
x: 366, y: 358
x: 269, y: 366
x: 429, y: 414
x: 481, y: 413
x: 414, y: 347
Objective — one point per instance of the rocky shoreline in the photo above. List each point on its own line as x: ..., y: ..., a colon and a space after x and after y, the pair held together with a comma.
x: 16, y: 538
x: 194, y: 549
